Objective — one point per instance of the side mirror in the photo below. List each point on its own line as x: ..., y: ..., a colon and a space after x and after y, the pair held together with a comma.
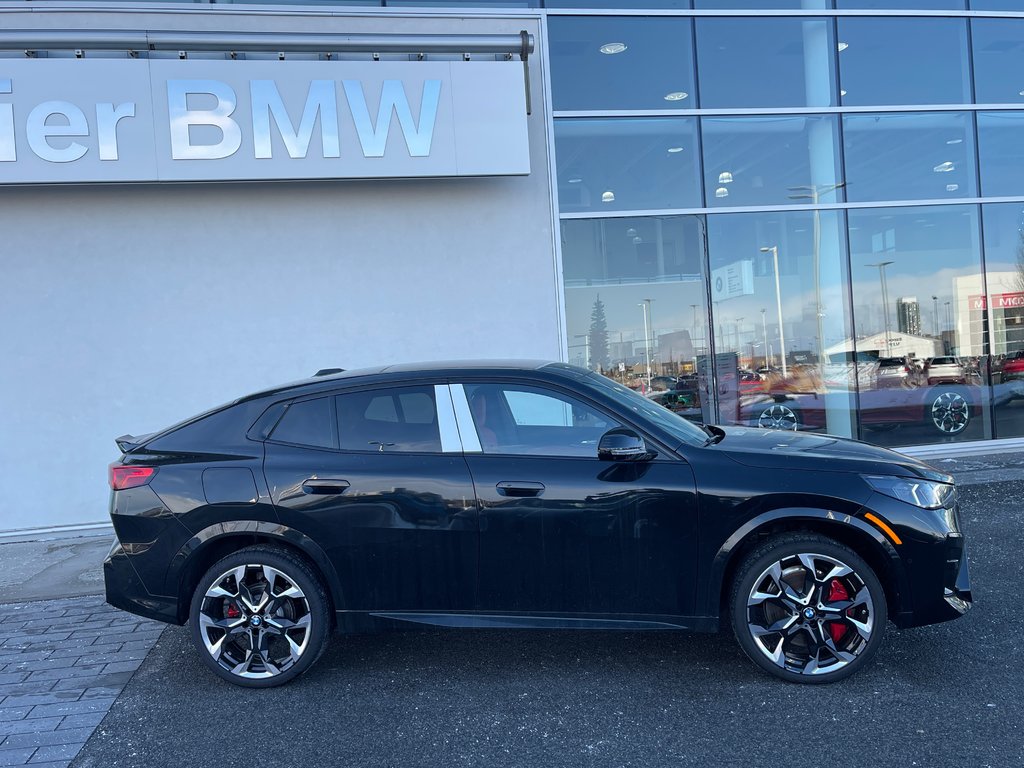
x: 621, y: 444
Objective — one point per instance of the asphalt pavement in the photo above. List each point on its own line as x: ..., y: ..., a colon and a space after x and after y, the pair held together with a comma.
x: 946, y: 695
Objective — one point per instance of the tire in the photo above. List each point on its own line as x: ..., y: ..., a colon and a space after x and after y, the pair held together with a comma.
x: 249, y: 637
x: 771, y: 593
x: 778, y: 416
x: 948, y: 410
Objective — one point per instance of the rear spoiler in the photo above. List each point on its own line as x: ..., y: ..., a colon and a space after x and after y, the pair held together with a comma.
x: 128, y: 443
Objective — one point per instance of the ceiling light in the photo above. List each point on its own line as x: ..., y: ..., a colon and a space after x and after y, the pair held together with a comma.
x: 843, y: 46
x: 673, y: 150
x: 631, y: 232
x: 725, y: 177
x: 952, y: 187
x: 637, y: 240
x: 611, y: 48
x: 945, y: 167
x: 842, y: 93
x: 721, y: 192
x: 676, y: 96
x: 955, y: 141
x: 1020, y: 93
x: 608, y: 197
x: 575, y: 180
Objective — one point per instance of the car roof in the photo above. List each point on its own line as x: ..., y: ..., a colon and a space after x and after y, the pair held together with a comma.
x: 436, y: 367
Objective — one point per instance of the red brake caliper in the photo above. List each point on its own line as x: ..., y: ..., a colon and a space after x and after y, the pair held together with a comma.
x: 233, y: 612
x: 837, y: 592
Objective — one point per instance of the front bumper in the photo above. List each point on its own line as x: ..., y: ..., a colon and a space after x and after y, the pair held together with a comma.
x: 940, y: 583
x: 125, y: 590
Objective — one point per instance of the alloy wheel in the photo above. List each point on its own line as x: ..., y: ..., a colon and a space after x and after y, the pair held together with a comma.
x: 255, y: 621
x: 810, y: 614
x: 950, y: 413
x: 778, y: 417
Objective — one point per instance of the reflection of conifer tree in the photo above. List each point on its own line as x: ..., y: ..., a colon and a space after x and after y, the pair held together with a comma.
x: 598, y: 336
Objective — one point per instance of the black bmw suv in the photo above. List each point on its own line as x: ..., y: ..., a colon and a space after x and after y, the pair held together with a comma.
x: 520, y: 495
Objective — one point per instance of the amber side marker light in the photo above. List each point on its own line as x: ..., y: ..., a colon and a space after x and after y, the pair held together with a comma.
x: 881, y: 524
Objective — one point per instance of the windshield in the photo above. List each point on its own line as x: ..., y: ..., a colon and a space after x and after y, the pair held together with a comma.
x: 672, y: 423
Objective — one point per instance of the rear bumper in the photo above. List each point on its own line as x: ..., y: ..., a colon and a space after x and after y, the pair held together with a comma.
x: 125, y: 590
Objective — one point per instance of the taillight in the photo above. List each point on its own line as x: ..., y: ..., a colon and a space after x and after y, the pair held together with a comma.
x: 122, y: 477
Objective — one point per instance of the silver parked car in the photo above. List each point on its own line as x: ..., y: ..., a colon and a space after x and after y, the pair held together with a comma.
x: 945, y: 370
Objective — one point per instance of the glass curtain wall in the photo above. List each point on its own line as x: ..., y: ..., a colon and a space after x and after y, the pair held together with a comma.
x: 779, y: 221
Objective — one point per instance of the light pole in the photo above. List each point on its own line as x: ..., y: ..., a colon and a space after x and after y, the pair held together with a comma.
x: 646, y: 304
x: 814, y: 191
x: 885, y: 301
x: 693, y: 338
x: 736, y: 325
x: 935, y: 315
x: 774, y: 251
x: 764, y: 330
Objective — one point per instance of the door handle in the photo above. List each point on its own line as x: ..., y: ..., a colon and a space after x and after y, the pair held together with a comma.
x: 519, y: 488
x: 324, y: 487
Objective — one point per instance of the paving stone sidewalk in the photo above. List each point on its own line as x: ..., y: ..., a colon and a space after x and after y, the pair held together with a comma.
x: 62, y: 664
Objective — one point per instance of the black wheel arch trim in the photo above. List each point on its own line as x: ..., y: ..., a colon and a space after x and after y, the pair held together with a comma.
x: 261, y: 532
x: 728, y: 554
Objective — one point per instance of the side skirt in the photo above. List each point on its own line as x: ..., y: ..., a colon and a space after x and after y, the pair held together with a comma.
x: 366, y: 621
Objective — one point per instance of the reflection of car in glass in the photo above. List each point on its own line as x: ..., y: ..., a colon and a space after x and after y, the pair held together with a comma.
x: 945, y: 370
x: 1013, y: 367
x: 520, y: 496
x: 894, y: 372
x: 947, y: 409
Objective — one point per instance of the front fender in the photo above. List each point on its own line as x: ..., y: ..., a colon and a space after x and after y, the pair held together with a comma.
x: 819, y: 520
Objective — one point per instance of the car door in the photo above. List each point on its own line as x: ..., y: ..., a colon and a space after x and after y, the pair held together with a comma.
x: 376, y: 477
x: 562, y: 532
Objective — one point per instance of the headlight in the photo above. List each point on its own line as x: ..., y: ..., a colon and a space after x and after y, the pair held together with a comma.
x: 921, y: 493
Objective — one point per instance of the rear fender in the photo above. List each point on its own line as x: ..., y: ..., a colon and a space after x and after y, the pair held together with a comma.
x: 259, y: 532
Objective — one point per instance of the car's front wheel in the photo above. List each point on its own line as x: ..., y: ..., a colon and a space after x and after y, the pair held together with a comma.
x: 260, y: 617
x: 807, y: 609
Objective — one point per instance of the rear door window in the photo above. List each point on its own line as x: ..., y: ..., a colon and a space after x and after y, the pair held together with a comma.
x: 389, y: 420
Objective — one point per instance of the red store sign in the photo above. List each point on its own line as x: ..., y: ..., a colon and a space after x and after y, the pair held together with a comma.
x: 999, y: 301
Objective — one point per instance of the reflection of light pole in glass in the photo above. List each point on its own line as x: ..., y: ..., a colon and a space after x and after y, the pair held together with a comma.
x: 813, y: 192
x: 774, y: 251
x: 736, y: 325
x: 764, y: 329
x: 935, y: 315
x: 693, y: 338
x: 949, y: 325
x: 646, y: 304
x: 885, y: 301
x: 586, y: 348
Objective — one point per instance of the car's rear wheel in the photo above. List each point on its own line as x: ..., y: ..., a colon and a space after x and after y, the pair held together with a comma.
x: 260, y: 617
x: 949, y: 411
x: 778, y: 416
x: 807, y: 609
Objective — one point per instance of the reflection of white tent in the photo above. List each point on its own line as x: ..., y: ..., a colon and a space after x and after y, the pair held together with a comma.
x: 900, y: 345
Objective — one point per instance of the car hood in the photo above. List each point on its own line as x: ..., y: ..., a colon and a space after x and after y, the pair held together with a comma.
x: 777, y: 449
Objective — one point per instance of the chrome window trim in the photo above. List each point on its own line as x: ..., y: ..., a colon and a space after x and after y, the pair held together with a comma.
x: 446, y: 424
x: 464, y: 419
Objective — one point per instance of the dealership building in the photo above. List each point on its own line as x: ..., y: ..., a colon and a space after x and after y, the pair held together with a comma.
x: 203, y: 199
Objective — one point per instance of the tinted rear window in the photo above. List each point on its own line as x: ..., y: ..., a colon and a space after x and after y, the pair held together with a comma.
x: 306, y: 423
